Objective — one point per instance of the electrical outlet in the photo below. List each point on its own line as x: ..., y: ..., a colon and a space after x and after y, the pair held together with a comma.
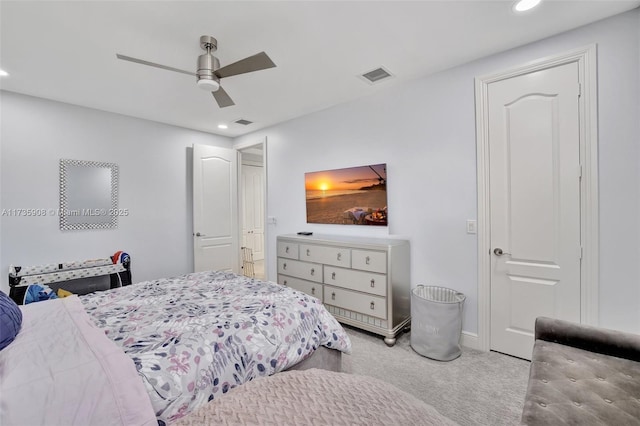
x: 472, y: 226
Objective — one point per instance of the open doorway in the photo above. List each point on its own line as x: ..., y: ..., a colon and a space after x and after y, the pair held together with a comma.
x: 252, y: 196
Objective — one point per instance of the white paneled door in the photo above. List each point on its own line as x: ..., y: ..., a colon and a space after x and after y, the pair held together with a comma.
x: 253, y: 209
x: 215, y: 207
x: 534, y: 174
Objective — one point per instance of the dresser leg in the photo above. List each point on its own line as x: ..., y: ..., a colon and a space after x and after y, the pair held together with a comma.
x: 390, y: 341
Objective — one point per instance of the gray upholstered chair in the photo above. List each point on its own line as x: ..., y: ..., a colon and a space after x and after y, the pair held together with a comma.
x: 582, y: 375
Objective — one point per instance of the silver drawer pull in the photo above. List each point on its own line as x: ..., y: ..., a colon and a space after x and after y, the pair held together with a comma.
x: 313, y: 271
x: 339, y: 256
x: 366, y: 259
x: 373, y: 305
x: 373, y: 282
x: 333, y: 275
x: 284, y: 266
x: 308, y: 252
x: 286, y: 249
x: 313, y: 291
x: 333, y: 296
x: 285, y: 282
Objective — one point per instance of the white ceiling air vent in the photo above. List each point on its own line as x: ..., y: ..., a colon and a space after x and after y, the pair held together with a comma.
x: 243, y: 122
x: 376, y: 75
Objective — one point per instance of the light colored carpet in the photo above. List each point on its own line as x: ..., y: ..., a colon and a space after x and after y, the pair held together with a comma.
x: 479, y: 388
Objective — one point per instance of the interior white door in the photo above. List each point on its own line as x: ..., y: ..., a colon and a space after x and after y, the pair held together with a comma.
x: 253, y: 210
x: 215, y: 209
x: 534, y: 181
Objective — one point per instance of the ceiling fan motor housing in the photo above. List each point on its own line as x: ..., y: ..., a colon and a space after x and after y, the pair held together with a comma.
x: 207, y: 64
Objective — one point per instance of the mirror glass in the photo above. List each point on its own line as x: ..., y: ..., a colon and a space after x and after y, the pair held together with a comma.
x: 88, y: 195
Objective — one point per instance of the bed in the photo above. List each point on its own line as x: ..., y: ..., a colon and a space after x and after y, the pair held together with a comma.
x: 192, y: 338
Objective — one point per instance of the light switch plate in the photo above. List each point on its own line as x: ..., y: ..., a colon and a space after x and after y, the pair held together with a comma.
x: 472, y: 226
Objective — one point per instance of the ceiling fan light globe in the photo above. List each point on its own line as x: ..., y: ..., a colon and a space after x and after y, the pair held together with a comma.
x: 525, y: 5
x: 208, y: 85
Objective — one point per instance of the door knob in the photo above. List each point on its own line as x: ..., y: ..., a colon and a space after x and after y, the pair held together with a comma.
x: 498, y: 251
x: 200, y: 235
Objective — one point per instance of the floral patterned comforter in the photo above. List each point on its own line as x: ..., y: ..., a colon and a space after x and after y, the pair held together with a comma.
x: 194, y: 337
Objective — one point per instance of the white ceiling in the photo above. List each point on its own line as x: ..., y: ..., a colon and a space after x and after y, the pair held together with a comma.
x: 66, y: 51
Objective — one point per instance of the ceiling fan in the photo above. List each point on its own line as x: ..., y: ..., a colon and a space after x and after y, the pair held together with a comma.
x: 209, y: 73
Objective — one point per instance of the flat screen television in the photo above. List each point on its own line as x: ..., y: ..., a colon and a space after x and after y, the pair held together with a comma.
x: 352, y: 196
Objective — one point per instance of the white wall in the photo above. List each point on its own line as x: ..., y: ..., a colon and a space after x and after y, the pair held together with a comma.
x: 425, y: 132
x: 155, y: 185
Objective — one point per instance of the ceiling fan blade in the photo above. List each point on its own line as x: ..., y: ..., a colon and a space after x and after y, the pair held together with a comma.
x: 152, y: 64
x: 222, y: 98
x: 257, y: 62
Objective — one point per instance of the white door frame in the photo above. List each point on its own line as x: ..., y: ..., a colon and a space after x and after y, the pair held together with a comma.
x: 589, y: 230
x: 239, y: 147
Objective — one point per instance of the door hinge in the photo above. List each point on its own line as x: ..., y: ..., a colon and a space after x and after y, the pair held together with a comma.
x: 580, y: 171
x: 579, y: 89
x: 581, y: 250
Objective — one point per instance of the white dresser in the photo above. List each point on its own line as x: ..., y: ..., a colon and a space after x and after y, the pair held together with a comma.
x: 363, y: 282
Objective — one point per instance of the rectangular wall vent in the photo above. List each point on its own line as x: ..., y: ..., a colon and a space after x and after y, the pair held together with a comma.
x: 243, y: 122
x: 377, y: 75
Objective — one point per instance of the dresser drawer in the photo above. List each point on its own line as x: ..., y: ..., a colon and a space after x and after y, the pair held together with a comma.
x: 308, y: 287
x: 367, y: 260
x: 287, y: 249
x: 328, y: 255
x: 374, y: 306
x: 297, y: 269
x: 367, y: 282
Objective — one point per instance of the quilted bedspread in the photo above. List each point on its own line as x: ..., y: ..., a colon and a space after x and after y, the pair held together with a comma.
x: 194, y: 337
x: 315, y: 398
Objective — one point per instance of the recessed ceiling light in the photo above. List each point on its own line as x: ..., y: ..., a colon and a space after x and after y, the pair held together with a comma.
x: 524, y: 5
x: 3, y: 73
x: 222, y: 126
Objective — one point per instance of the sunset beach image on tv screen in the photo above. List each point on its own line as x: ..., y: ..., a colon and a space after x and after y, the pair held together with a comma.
x: 353, y: 196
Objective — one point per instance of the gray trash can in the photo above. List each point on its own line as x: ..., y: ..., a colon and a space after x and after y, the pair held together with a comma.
x: 436, y: 322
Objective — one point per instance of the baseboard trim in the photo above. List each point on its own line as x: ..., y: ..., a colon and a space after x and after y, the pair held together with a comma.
x: 470, y: 340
